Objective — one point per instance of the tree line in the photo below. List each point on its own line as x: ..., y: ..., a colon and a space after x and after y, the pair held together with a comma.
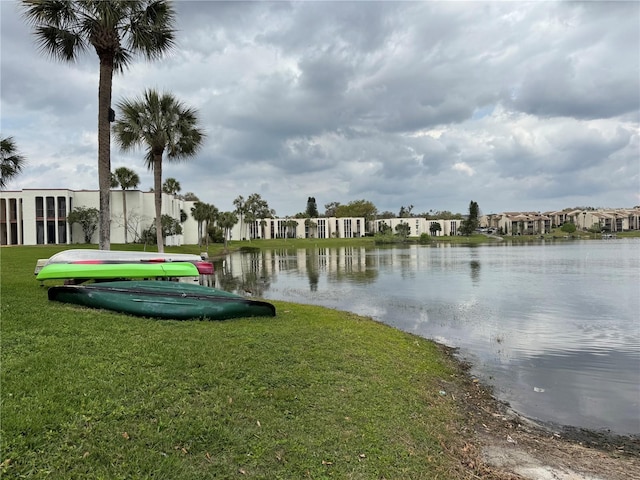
x: 215, y: 225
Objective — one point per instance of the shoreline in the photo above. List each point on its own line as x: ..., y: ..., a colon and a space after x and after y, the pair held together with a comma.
x: 508, y: 445
x: 588, y: 436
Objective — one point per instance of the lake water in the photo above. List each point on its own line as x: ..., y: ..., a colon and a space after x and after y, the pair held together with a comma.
x: 553, y: 327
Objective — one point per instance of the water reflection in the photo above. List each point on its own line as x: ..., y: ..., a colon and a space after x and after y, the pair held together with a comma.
x: 252, y: 272
x: 475, y: 271
x: 559, y: 318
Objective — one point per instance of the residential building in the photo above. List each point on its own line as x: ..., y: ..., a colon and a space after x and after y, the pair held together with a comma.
x: 327, y: 227
x: 517, y: 223
x: 536, y: 223
x: 420, y: 225
x: 39, y: 217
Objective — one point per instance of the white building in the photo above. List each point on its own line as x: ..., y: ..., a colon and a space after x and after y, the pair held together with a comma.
x: 419, y: 225
x: 328, y: 227
x: 39, y: 217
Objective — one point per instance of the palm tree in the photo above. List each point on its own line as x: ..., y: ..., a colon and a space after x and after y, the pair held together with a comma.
x: 190, y: 197
x: 200, y: 212
x: 116, y: 30
x: 226, y: 221
x: 125, y: 178
x: 292, y: 226
x: 11, y: 162
x: 241, y: 210
x: 256, y: 208
x: 171, y: 186
x: 158, y: 122
x: 204, y: 214
x: 211, y: 216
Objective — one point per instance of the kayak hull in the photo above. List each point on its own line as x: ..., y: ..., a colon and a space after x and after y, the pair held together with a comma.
x: 89, y: 256
x: 158, y: 299
x: 124, y: 256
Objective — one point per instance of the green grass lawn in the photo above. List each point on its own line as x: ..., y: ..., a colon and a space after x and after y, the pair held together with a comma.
x: 311, y: 393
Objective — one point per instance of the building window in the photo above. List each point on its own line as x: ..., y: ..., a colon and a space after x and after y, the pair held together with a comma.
x: 282, y: 229
x: 62, y: 231
x: 10, y: 220
x: 40, y: 232
x: 62, y: 207
x: 51, y: 231
x: 347, y: 228
x: 51, y: 207
x: 39, y: 207
x: 253, y: 230
x: 12, y: 210
x: 21, y: 223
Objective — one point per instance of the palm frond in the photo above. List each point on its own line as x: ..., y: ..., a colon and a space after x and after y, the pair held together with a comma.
x: 115, y: 28
x: 57, y: 13
x: 161, y: 123
x: 11, y: 163
x: 126, y: 178
x: 60, y: 44
x: 150, y: 31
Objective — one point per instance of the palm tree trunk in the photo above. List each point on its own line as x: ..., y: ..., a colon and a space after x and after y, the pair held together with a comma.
x: 207, y: 235
x: 124, y: 208
x: 104, y: 151
x: 157, y: 193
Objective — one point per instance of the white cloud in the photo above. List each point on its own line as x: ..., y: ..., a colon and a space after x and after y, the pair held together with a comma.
x: 464, y: 168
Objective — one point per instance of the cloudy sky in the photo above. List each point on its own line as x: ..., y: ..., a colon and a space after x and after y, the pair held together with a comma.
x: 517, y: 106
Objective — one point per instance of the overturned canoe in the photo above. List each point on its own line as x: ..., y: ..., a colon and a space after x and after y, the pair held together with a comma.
x: 99, y: 271
x: 90, y: 256
x: 169, y: 300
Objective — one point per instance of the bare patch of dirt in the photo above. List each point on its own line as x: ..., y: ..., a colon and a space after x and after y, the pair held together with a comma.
x: 499, y: 444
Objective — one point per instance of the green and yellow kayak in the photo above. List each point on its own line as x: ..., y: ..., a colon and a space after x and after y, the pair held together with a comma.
x: 99, y: 271
x: 162, y: 299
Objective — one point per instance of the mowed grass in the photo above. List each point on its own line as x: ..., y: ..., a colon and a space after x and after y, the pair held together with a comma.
x: 311, y: 393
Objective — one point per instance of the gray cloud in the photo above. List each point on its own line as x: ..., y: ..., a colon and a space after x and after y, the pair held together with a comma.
x: 518, y: 106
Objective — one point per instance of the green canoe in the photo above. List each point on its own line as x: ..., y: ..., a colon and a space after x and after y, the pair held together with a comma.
x: 162, y: 299
x: 56, y: 271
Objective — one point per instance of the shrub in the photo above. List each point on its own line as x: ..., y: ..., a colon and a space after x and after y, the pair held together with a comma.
x: 87, y: 218
x: 424, y: 238
x: 385, y: 239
